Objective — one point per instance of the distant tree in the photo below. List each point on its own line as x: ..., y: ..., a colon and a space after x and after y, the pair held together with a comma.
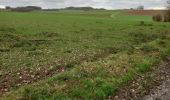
x: 26, y: 9
x: 165, y: 17
x: 167, y: 14
x: 7, y: 7
x: 168, y: 6
x: 79, y: 8
x: 168, y: 2
x: 140, y: 7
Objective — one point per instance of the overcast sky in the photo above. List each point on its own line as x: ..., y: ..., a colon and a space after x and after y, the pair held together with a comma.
x: 108, y: 4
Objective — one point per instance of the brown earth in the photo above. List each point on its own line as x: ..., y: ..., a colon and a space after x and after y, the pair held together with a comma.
x: 146, y: 12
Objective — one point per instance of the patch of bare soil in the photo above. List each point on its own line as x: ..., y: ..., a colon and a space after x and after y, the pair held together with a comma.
x: 153, y: 85
x: 146, y: 12
x: 26, y: 76
x: 22, y: 77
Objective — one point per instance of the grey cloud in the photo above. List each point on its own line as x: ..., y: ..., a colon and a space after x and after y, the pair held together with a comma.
x: 109, y: 4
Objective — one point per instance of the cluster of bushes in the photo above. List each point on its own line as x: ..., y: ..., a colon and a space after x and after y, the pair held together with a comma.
x: 162, y: 18
x: 167, y: 18
x: 157, y: 18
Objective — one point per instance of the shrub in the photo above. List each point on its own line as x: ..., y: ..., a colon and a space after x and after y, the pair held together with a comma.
x: 166, y: 18
x: 149, y: 48
x: 142, y: 23
x: 157, y: 18
x: 22, y: 43
x: 70, y: 65
x: 140, y: 37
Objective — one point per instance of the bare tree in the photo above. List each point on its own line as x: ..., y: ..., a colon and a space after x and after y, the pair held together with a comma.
x: 168, y: 6
x: 167, y: 15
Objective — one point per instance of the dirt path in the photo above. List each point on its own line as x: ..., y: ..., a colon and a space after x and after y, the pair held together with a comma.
x: 161, y: 92
x: 153, y: 85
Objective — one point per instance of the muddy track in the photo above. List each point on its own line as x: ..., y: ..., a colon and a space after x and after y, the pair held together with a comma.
x: 161, y: 92
x: 28, y: 76
x: 157, y: 88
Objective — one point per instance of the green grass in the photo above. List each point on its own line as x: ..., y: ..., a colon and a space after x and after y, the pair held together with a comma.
x: 102, y: 49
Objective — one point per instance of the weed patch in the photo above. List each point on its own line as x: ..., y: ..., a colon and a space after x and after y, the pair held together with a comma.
x: 143, y: 37
x: 7, y: 29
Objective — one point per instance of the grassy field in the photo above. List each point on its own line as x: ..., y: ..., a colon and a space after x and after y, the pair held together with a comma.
x: 67, y: 55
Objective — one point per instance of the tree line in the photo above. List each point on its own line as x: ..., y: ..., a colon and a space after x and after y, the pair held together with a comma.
x: 23, y: 9
x: 32, y: 8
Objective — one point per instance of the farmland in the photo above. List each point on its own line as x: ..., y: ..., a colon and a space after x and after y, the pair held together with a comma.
x: 60, y: 55
x: 147, y: 12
